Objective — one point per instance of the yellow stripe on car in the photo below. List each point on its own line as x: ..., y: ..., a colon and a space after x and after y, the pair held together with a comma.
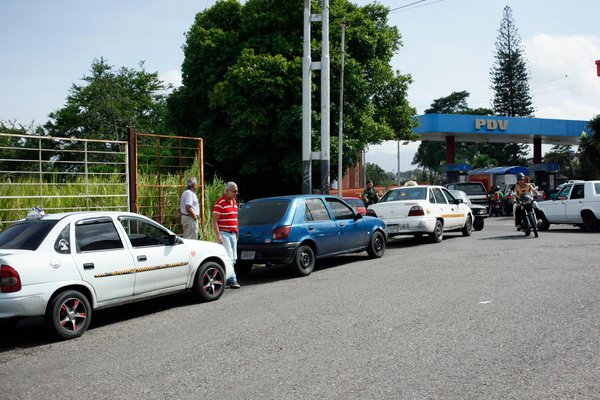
x: 141, y: 269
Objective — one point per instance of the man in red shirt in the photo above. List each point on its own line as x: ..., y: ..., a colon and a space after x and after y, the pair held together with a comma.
x: 225, y: 224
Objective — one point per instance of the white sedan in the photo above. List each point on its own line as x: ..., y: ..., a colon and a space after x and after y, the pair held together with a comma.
x: 64, y: 266
x: 418, y: 210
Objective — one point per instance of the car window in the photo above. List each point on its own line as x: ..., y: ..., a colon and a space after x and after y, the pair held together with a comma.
x: 26, y: 235
x: 431, y: 197
x: 96, y: 234
x: 409, y: 193
x: 597, y: 188
x: 142, y: 233
x: 62, y: 244
x: 471, y: 188
x: 439, y: 196
x: 577, y: 192
x: 451, y: 199
x: 355, y: 202
x: 340, y: 210
x: 262, y: 213
x: 564, y: 193
x: 315, y: 210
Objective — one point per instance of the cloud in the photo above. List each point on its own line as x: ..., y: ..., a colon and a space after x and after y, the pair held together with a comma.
x: 172, y: 76
x: 563, y: 81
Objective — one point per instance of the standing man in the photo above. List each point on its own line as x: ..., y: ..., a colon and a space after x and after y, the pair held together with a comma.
x: 370, y: 194
x: 190, y: 210
x: 225, y: 224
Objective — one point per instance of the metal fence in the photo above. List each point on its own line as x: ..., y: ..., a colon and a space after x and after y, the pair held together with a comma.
x: 61, y: 174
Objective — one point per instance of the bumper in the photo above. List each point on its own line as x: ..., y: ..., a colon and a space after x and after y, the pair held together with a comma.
x: 276, y: 253
x: 409, y: 226
x: 24, y: 303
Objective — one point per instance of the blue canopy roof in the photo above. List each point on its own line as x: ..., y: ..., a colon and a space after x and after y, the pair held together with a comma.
x: 500, y: 170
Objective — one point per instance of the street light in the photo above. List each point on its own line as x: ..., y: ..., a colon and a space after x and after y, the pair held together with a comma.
x: 403, y: 144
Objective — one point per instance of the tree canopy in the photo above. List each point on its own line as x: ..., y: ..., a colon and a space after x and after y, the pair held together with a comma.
x: 241, y: 89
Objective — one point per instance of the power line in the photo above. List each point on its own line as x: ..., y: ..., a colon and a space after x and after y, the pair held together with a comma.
x: 403, y: 8
x: 406, y: 5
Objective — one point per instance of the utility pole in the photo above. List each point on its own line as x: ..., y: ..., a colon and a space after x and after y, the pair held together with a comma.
x: 307, y: 66
x: 341, y: 122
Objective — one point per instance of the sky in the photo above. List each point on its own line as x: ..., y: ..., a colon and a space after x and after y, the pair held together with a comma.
x: 448, y: 46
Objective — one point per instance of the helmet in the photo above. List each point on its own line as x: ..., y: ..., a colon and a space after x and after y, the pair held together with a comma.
x: 520, y: 176
x: 497, y: 187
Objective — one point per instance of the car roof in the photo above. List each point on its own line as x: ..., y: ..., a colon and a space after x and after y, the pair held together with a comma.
x: 84, y: 214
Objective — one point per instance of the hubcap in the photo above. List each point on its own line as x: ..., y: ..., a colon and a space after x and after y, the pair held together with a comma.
x: 72, y: 314
x: 212, y: 281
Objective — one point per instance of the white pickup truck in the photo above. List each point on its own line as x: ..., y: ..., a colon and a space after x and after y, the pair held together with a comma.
x: 577, y: 203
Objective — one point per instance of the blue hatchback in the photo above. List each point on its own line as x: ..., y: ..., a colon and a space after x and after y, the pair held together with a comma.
x: 299, y: 229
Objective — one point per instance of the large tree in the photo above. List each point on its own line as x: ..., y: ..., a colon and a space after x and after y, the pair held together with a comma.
x: 589, y: 151
x: 110, y: 101
x: 510, y: 83
x: 242, y: 80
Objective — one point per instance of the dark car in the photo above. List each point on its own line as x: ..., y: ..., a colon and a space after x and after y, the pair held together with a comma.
x: 479, y: 212
x: 474, y: 190
x: 299, y: 229
x: 357, y: 203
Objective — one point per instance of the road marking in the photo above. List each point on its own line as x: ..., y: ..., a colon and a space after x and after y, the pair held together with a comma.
x: 485, y: 302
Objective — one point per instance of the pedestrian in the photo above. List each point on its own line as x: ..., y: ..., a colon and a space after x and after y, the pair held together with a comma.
x: 190, y: 210
x: 225, y: 224
x: 370, y: 194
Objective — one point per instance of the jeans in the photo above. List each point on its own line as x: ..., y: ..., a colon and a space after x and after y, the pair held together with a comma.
x: 230, y: 244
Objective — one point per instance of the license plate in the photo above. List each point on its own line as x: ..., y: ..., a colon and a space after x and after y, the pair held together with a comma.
x: 247, y: 255
x: 392, y: 228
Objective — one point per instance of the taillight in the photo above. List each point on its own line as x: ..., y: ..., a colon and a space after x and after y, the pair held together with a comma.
x: 282, y: 232
x: 416, y: 211
x: 9, y: 279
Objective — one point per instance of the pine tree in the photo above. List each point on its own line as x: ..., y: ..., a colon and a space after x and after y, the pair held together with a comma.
x: 510, y: 83
x: 509, y: 73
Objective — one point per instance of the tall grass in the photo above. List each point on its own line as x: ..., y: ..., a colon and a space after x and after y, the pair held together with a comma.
x: 109, y: 193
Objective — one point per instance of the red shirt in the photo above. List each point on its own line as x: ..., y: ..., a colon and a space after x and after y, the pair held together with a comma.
x: 227, y: 210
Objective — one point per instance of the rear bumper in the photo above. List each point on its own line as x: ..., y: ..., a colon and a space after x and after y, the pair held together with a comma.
x: 276, y: 253
x: 410, y: 225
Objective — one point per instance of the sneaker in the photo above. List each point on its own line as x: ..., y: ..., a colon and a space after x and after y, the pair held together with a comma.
x: 234, y: 285
x: 519, y: 227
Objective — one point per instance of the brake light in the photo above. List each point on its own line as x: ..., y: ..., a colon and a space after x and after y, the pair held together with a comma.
x: 10, y: 281
x: 282, y: 232
x: 416, y: 211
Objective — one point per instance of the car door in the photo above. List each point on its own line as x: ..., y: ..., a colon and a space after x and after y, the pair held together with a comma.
x: 102, y: 259
x: 556, y: 210
x: 320, y: 225
x: 160, y: 264
x: 575, y: 203
x: 458, y: 212
x: 444, y: 209
x: 351, y: 230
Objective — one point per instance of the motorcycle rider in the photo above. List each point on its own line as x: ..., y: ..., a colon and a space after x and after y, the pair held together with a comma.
x: 496, y: 197
x: 522, y: 188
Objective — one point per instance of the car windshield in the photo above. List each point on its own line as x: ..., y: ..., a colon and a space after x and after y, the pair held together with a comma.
x: 459, y: 194
x: 26, y: 235
x: 471, y: 188
x: 264, y: 212
x: 409, y: 193
x: 355, y: 202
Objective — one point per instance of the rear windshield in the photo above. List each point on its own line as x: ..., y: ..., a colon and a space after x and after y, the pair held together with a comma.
x: 470, y: 188
x: 264, y: 212
x: 26, y: 235
x: 409, y: 193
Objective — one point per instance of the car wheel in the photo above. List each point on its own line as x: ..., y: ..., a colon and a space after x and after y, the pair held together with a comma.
x: 478, y: 224
x: 590, y: 223
x: 243, y: 268
x: 376, y: 245
x: 468, y: 228
x: 438, y: 232
x: 304, y: 261
x: 544, y: 225
x: 69, y: 314
x: 209, y: 282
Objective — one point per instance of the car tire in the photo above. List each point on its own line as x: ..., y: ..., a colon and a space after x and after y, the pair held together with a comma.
x: 478, y: 224
x: 243, y: 268
x: 376, y: 245
x: 544, y: 225
x: 438, y: 232
x: 304, y: 260
x: 468, y: 228
x: 590, y: 223
x: 209, y: 282
x: 69, y: 314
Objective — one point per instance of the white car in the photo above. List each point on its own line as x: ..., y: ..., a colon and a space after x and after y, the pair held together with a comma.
x: 64, y: 266
x: 577, y: 203
x: 418, y: 210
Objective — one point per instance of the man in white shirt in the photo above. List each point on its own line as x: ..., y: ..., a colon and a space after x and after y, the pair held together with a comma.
x: 190, y: 210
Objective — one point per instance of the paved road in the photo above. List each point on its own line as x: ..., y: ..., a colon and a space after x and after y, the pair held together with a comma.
x: 492, y: 316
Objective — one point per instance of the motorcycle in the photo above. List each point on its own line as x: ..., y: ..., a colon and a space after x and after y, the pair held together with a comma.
x: 496, y: 208
x: 528, y: 218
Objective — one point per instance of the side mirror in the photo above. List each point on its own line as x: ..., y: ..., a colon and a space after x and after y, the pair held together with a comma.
x: 458, y: 201
x: 174, y: 239
x: 357, y: 216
